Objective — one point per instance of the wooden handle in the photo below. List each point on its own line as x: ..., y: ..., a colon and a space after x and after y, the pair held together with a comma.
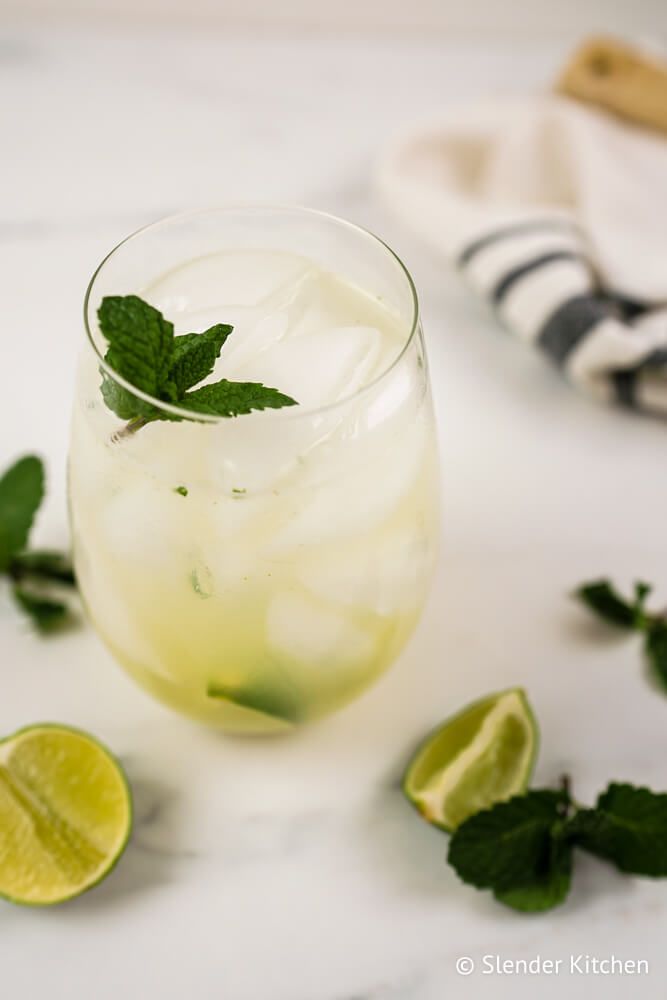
x: 620, y: 79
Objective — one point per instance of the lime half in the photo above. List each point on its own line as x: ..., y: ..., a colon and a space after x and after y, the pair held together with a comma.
x: 65, y: 814
x: 481, y: 756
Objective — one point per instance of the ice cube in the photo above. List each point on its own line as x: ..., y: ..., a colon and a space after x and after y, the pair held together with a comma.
x: 307, y: 633
x: 259, y: 451
x: 407, y: 561
x: 198, y: 320
x: 249, y: 340
x: 348, y: 578
x: 385, y: 578
x: 236, y: 278
x: 356, y: 486
x: 318, y: 369
x: 171, y: 453
x: 230, y: 564
x: 149, y: 524
x: 392, y: 397
x: 253, y: 454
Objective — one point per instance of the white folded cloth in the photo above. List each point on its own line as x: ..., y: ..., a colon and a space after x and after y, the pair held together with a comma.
x: 557, y: 214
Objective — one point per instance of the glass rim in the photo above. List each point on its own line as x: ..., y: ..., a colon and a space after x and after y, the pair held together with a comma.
x: 284, y: 412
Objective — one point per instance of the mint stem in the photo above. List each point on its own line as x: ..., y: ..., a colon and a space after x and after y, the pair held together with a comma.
x: 565, y: 785
x: 130, y: 428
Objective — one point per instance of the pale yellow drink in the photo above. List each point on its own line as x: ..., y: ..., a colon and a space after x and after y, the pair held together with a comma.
x: 261, y: 571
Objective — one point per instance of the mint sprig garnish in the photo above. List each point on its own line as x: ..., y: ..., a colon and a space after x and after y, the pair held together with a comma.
x: 145, y: 352
x: 36, y: 576
x: 603, y: 600
x: 523, y: 850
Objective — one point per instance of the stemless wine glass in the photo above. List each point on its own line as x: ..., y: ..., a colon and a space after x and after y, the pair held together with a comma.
x: 260, y: 571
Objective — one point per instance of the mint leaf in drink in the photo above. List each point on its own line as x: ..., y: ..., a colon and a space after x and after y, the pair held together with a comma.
x: 125, y: 404
x: 627, y: 827
x: 509, y: 847
x: 275, y: 702
x: 145, y: 352
x: 232, y: 399
x: 601, y: 597
x: 195, y: 354
x: 141, y: 344
x: 21, y: 493
x: 46, y: 613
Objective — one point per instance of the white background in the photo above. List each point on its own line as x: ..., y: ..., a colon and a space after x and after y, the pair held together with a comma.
x: 294, y: 870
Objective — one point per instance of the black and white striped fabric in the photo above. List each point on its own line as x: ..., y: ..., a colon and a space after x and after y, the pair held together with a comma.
x: 601, y: 321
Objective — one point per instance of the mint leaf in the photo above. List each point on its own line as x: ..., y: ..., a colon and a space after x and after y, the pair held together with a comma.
x: 231, y: 399
x: 642, y: 591
x: 509, y: 847
x: 46, y: 613
x: 655, y: 650
x: 278, y: 704
x: 551, y: 886
x: 21, y: 493
x: 627, y: 827
x: 140, y: 343
x: 601, y: 597
x: 123, y: 403
x: 140, y: 350
x: 45, y: 564
x: 195, y: 354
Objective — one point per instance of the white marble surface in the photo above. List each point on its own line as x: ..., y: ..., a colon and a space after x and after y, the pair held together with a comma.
x: 294, y: 870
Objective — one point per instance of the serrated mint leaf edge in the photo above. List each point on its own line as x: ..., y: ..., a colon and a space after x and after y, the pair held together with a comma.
x: 233, y: 399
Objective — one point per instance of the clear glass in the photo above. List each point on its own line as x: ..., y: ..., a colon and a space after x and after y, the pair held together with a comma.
x: 261, y: 571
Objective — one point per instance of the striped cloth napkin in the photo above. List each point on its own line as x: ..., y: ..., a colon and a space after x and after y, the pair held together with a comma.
x: 557, y: 215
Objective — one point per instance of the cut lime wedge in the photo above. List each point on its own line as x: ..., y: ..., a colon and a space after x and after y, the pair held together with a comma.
x: 65, y: 814
x: 481, y: 756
